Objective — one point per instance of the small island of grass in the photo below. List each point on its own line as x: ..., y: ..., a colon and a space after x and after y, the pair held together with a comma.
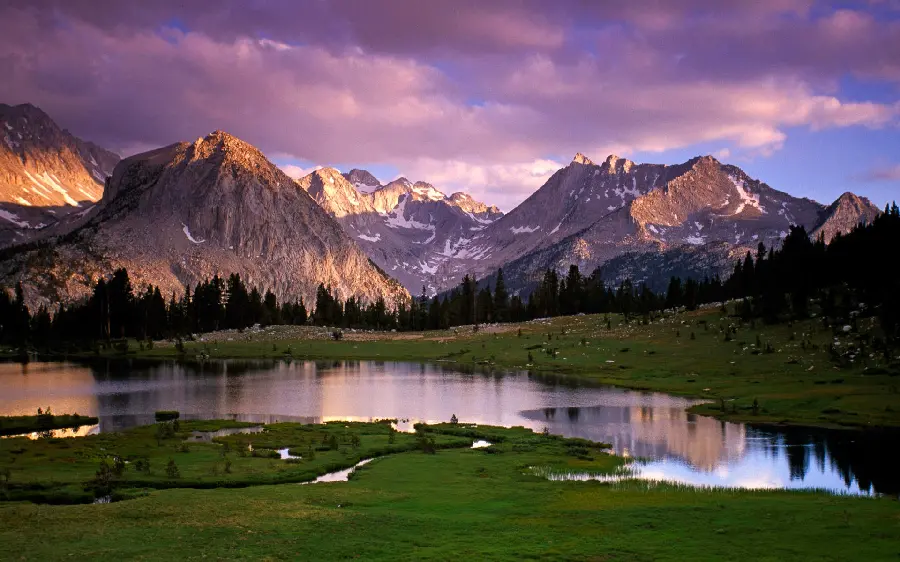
x: 42, y: 421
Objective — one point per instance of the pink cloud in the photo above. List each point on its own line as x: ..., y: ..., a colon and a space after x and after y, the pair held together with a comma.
x: 393, y: 82
x: 885, y: 173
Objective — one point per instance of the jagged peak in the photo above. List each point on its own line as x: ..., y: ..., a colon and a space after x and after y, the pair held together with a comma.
x: 364, y: 177
x: 705, y: 160
x: 401, y: 183
x: 850, y: 200
x: 613, y: 162
x: 580, y: 158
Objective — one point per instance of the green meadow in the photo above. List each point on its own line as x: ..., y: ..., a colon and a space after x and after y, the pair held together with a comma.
x: 414, y: 502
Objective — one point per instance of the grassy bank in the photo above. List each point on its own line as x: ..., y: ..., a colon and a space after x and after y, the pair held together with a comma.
x: 788, y: 370
x: 14, y: 425
x: 459, y: 503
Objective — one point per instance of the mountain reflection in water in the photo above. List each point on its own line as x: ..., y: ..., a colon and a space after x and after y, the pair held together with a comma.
x: 678, y: 446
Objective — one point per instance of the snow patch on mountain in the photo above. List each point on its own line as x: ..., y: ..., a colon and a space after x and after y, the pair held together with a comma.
x: 524, y: 229
x: 187, y: 232
x: 364, y: 188
x: 428, y: 192
x: 397, y: 218
x: 747, y: 198
x: 14, y: 218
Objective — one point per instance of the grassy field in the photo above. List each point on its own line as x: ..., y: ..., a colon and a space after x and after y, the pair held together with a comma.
x: 459, y: 503
x: 788, y: 370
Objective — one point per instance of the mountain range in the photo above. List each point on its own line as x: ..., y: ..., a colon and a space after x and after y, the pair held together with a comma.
x: 185, y: 212
x: 72, y: 211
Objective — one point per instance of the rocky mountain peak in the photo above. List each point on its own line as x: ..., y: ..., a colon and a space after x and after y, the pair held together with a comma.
x: 846, y: 212
x: 427, y: 191
x: 362, y: 180
x: 46, y: 174
x: 468, y: 204
x: 582, y: 159
x: 852, y: 199
x: 704, y: 162
x: 226, y: 145
x: 334, y: 193
x: 616, y: 165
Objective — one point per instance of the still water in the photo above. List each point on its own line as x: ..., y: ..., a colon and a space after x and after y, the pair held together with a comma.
x: 676, y: 446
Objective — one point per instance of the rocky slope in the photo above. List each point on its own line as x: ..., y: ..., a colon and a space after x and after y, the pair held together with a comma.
x: 182, y: 213
x: 49, y: 179
x: 411, y: 230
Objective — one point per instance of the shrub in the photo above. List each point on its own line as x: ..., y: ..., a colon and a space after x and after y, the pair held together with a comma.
x: 425, y: 443
x: 118, y: 466
x: 172, y: 470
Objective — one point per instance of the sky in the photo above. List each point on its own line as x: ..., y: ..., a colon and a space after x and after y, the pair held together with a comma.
x: 485, y: 97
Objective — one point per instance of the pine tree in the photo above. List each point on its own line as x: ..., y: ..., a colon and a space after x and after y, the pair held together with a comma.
x: 501, y: 299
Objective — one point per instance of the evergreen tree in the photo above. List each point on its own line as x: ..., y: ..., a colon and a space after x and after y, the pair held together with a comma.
x: 501, y: 299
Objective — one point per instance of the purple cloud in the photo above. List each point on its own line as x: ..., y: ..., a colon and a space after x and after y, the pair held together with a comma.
x: 392, y: 81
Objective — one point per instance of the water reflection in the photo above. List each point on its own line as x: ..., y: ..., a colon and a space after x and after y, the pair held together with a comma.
x: 340, y: 475
x: 679, y: 446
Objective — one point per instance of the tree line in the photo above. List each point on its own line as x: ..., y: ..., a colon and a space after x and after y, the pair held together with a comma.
x: 846, y: 277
